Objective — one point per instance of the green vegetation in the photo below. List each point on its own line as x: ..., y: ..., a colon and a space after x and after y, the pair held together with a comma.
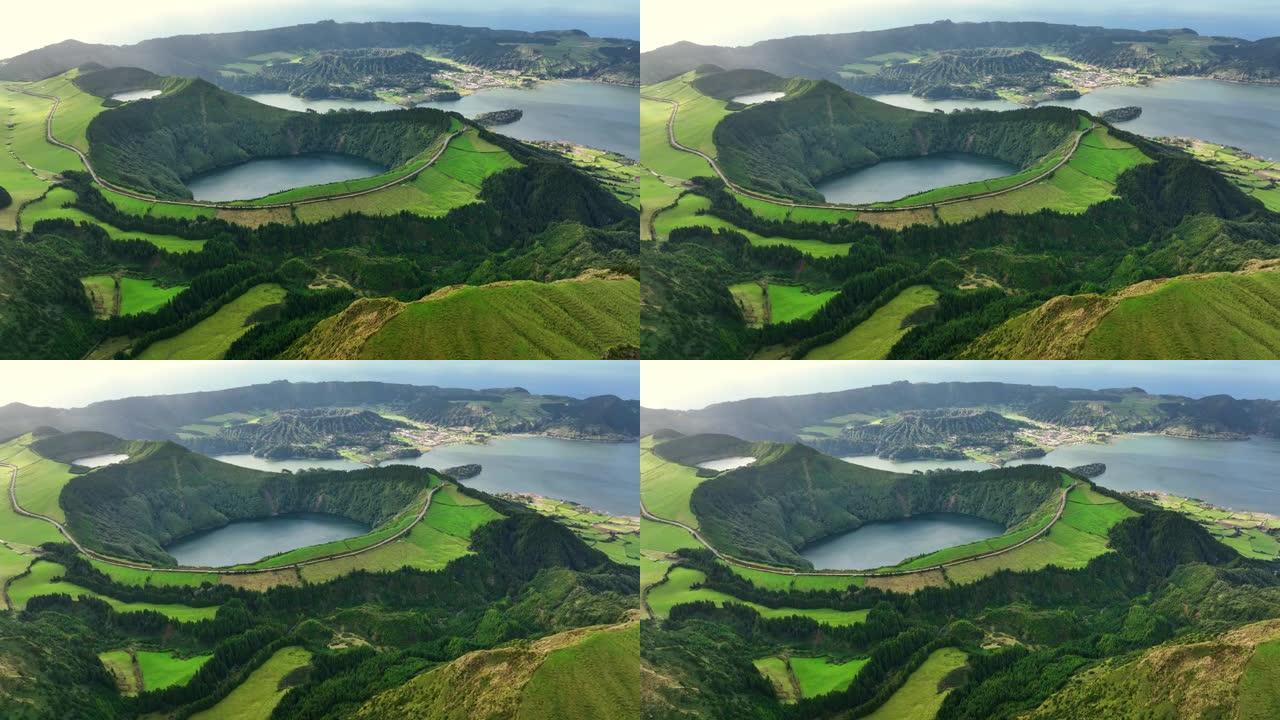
x: 921, y: 696
x: 767, y: 302
x: 820, y: 675
x: 121, y: 295
x: 121, y: 666
x: 1219, y: 315
x: 55, y: 203
x: 1249, y: 533
x: 162, y: 669
x: 690, y: 211
x: 679, y: 589
x: 257, y: 696
x: 579, y: 318
x: 210, y: 338
x: 597, y: 678
x: 874, y: 337
x: 46, y: 578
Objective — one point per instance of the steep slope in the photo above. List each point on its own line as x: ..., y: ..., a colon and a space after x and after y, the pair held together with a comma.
x: 1233, y: 675
x: 195, y: 127
x: 590, y: 317
x: 585, y: 673
x: 1207, y: 316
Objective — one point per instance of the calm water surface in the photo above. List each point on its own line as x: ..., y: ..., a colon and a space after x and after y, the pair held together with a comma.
x: 893, y: 179
x: 753, y: 98
x: 729, y: 463
x: 887, y: 543
x: 258, y: 463
x: 265, y: 176
x: 1246, y: 116
x: 95, y: 461
x: 911, y: 102
x: 135, y: 95
x: 1240, y: 474
x: 908, y: 466
x: 291, y: 102
x: 248, y: 540
x: 599, y: 475
x: 586, y: 113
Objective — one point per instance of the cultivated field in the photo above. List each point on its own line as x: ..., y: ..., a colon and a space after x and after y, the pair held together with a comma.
x: 210, y: 338
x: 873, y: 338
x: 679, y: 588
x: 257, y: 696
x: 921, y: 696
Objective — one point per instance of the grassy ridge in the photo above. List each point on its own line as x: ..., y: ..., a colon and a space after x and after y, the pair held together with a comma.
x: 921, y: 696
x: 597, y: 678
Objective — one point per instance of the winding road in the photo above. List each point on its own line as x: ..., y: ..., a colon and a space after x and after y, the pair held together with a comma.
x: 671, y: 139
x: 118, y: 562
x: 1062, y: 506
x: 240, y: 205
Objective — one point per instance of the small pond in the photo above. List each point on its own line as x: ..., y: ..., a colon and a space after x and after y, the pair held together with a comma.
x: 729, y: 463
x: 909, y: 466
x: 97, y: 461
x: 755, y: 98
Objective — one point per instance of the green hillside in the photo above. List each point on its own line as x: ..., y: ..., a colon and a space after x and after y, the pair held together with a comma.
x: 1214, y: 316
x: 588, y: 317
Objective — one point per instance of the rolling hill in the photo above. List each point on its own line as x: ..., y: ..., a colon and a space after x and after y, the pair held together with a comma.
x: 1203, y: 317
x: 586, y: 317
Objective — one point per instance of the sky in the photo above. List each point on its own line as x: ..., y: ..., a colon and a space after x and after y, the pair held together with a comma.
x: 730, y: 22
x: 30, y: 25
x: 75, y: 383
x: 688, y: 385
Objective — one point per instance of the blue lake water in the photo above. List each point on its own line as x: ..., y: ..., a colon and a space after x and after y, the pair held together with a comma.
x: 893, y: 179
x: 586, y: 113
x: 729, y: 463
x: 292, y: 102
x: 909, y: 466
x: 602, y: 476
x: 265, y: 176
x: 754, y: 98
x: 888, y: 543
x: 246, y: 541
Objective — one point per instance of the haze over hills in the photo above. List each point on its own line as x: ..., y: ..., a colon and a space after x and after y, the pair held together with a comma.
x: 1131, y: 409
x: 823, y: 56
x: 493, y: 410
x: 204, y: 55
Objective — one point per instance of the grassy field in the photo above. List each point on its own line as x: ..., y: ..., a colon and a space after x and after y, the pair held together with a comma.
x: 443, y: 535
x: 776, y: 581
x: 19, y: 529
x: 42, y: 580
x: 920, y: 698
x: 820, y: 675
x: 1258, y: 698
x: 685, y: 214
x: 136, y: 295
x: 51, y: 208
x: 1078, y: 537
x: 1249, y: 533
x: 130, y: 576
x: 523, y: 319
x: 1224, y: 315
x: 163, y: 669
x: 596, y: 678
x: 774, y: 669
x: 679, y: 589
x: 258, y: 695
x: 698, y: 114
x: 12, y: 564
x: 210, y: 338
x: 786, y: 302
x: 656, y: 152
x: 665, y: 487
x: 873, y: 338
x: 617, y: 537
x: 120, y: 664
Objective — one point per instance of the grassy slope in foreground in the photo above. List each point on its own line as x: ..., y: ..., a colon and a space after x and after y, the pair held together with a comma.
x: 210, y: 338
x: 582, y: 673
x: 580, y: 318
x: 258, y: 695
x: 874, y: 337
x: 1217, y: 315
x: 1231, y: 676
